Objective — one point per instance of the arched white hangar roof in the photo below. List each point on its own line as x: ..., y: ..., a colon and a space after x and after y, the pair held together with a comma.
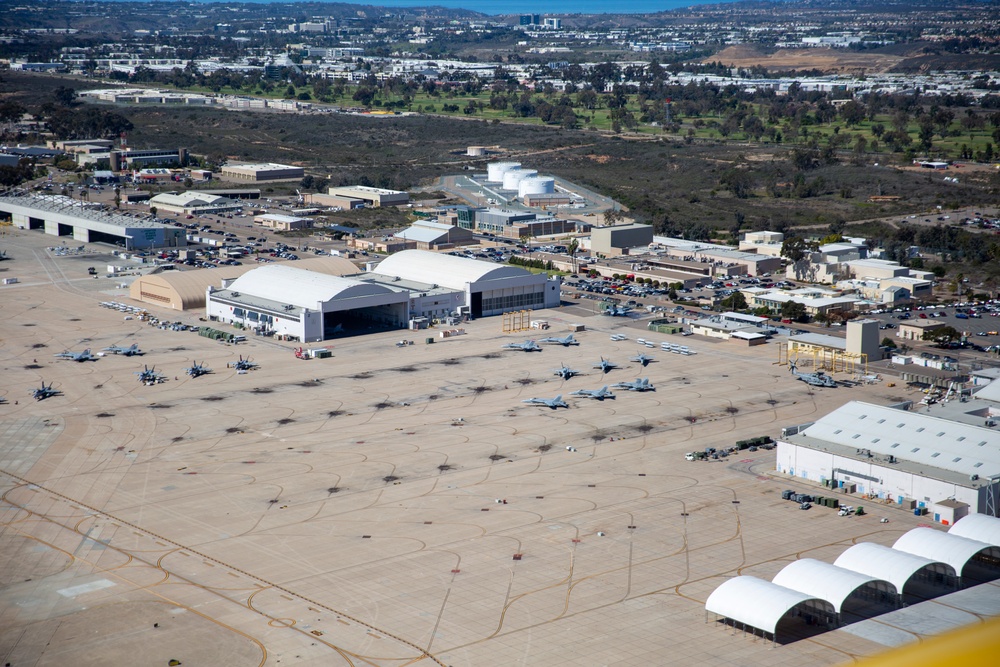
x: 980, y: 527
x: 824, y: 581
x: 434, y: 268
x: 951, y: 549
x: 758, y: 603
x: 302, y: 288
x: 875, y: 560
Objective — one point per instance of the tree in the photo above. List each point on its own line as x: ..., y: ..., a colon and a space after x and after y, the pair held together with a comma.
x: 571, y: 249
x: 888, y: 342
x: 735, y: 301
x: 945, y: 334
x: 793, y: 310
x: 64, y: 95
x: 737, y: 181
x: 795, y: 248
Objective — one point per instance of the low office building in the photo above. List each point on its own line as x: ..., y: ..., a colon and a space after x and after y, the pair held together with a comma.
x: 259, y: 173
x: 372, y: 197
x: 916, y: 329
x: 87, y: 225
x: 194, y: 203
x: 816, y: 302
x: 282, y: 223
x: 717, y: 327
x: 763, y: 243
x: 333, y: 201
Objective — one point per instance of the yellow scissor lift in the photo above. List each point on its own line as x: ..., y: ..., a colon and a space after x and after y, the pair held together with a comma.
x: 827, y: 359
x: 516, y: 320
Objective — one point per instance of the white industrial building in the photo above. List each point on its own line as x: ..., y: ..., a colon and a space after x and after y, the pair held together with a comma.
x: 257, y: 173
x: 194, y: 203
x: 944, y: 462
x: 288, y: 301
x: 57, y: 217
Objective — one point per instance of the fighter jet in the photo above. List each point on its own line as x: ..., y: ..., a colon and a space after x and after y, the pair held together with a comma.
x: 642, y: 359
x: 149, y: 376
x: 640, y: 384
x: 129, y: 351
x: 76, y: 356
x: 526, y: 346
x: 565, y: 342
x: 817, y: 379
x: 197, y: 370
x: 598, y: 394
x: 44, y: 392
x: 243, y: 365
x: 617, y: 311
x: 605, y: 365
x: 553, y: 403
x: 565, y: 372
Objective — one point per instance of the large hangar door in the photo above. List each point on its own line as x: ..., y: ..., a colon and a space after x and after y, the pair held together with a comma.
x: 477, y: 304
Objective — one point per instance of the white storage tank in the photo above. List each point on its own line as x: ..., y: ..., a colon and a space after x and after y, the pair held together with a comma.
x: 515, y: 176
x: 475, y: 151
x: 496, y: 170
x: 540, y: 185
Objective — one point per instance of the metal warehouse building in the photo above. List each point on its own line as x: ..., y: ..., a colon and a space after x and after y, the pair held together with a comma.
x: 946, y: 462
x: 256, y: 173
x: 59, y: 217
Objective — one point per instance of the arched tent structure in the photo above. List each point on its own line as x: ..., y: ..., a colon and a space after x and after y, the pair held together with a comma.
x: 490, y: 288
x: 972, y: 560
x: 773, y: 609
x: 914, y: 577
x: 185, y: 290
x: 858, y: 594
x: 980, y: 527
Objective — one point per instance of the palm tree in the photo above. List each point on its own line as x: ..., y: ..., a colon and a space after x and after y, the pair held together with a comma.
x: 572, y: 247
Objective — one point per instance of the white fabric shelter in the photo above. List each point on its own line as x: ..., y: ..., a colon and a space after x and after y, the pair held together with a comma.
x: 888, y: 564
x: 759, y: 603
x: 951, y: 549
x: 980, y: 527
x: 824, y: 581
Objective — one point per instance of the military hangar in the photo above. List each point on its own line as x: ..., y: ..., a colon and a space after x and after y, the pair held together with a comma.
x: 185, y: 290
x: 61, y: 216
x: 305, y: 305
x: 489, y: 288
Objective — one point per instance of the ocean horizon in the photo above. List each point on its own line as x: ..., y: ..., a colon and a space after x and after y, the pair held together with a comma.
x: 547, y: 8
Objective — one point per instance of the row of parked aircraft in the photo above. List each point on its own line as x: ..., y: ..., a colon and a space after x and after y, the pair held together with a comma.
x: 87, y: 355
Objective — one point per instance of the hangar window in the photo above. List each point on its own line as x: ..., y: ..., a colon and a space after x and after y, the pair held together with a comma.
x: 895, y: 444
x: 935, y: 455
x: 900, y: 425
x: 238, y: 312
x: 914, y: 450
x: 942, y: 433
x: 837, y: 432
x: 881, y: 421
x: 874, y: 440
x: 956, y: 459
x: 978, y: 465
x: 961, y: 438
x: 920, y: 430
x: 982, y: 443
